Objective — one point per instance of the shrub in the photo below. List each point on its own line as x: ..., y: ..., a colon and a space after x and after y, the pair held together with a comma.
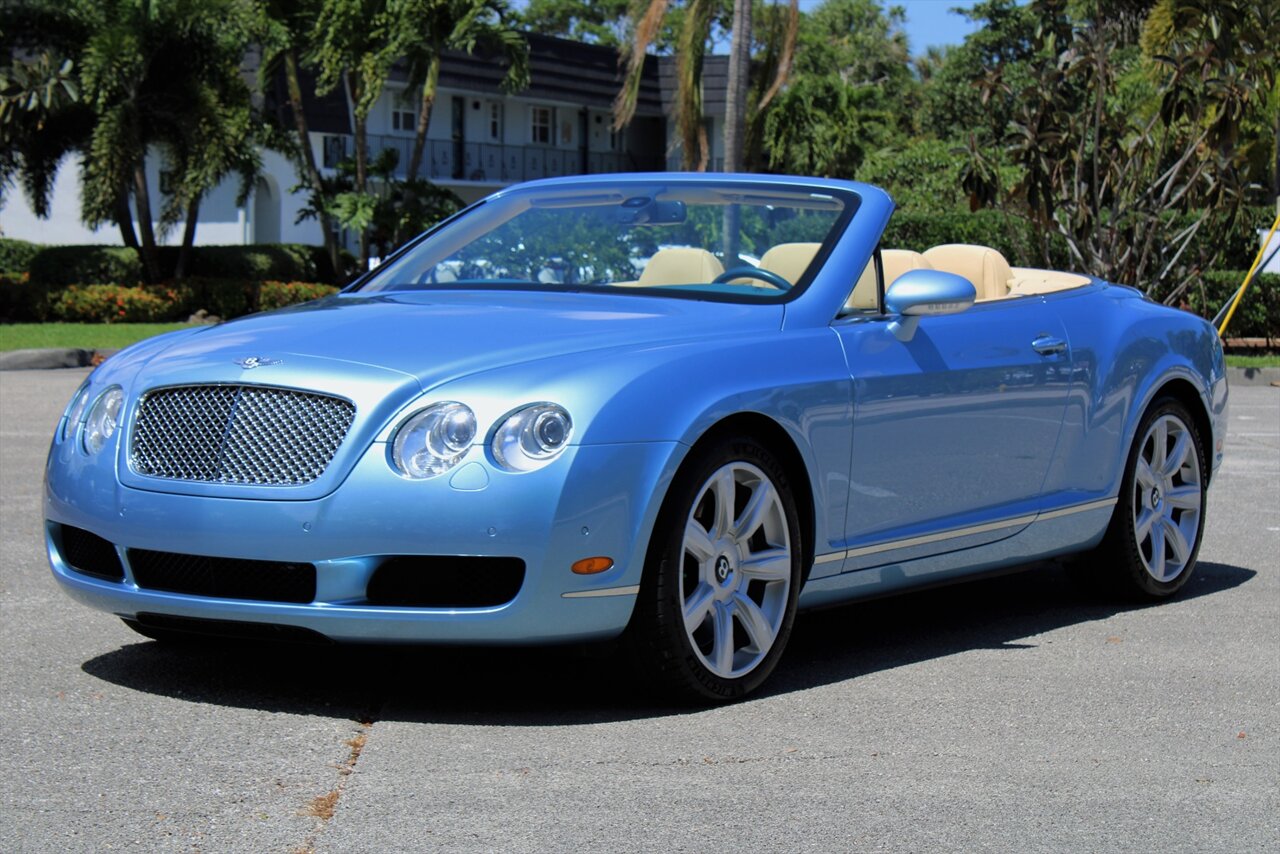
x: 1257, y: 316
x: 22, y: 300
x: 279, y: 294
x: 225, y: 298
x: 1012, y: 236
x: 16, y: 255
x: 79, y: 265
x: 260, y: 262
x: 114, y: 304
x: 73, y: 265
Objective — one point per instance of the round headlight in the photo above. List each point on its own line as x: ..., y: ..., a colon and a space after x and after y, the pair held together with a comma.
x: 532, y: 437
x: 103, y: 420
x: 434, y: 440
x: 76, y: 411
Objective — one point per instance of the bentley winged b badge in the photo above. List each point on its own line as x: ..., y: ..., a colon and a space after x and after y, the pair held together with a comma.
x: 250, y: 362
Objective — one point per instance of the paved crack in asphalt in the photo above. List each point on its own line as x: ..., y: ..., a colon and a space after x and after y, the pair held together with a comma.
x: 324, y: 807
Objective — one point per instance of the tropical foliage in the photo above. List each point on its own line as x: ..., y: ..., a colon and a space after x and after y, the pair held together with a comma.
x: 1121, y: 138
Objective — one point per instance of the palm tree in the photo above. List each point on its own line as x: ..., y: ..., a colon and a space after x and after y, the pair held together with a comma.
x: 695, y: 29
x: 287, y: 27
x: 353, y: 45
x: 428, y: 27
x: 150, y: 75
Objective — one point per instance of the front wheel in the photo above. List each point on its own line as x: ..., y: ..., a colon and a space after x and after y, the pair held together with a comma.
x: 1159, y: 520
x: 722, y: 575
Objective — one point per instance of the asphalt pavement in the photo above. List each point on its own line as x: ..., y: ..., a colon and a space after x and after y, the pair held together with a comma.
x: 1015, y: 714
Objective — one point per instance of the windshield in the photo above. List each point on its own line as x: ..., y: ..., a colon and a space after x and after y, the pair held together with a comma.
x: 719, y: 240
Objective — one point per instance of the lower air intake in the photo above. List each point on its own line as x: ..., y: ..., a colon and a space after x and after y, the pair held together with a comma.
x: 425, y: 581
x: 90, y: 554
x: 224, y: 578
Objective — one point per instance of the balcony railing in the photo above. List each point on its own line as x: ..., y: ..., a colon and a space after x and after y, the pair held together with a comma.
x: 443, y: 160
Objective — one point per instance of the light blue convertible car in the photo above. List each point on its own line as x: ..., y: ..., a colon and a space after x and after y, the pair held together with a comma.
x: 670, y: 409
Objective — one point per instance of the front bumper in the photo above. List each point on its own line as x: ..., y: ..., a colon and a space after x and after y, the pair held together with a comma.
x: 595, y: 500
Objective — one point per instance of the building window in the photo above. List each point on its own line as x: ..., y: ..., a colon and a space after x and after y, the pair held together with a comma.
x: 168, y: 181
x: 335, y: 150
x: 404, y: 120
x: 495, y: 121
x: 540, y: 123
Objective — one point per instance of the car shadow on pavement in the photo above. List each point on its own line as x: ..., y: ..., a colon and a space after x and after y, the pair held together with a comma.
x: 550, y: 686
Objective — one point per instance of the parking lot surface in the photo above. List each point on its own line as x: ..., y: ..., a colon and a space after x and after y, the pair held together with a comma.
x: 1010, y: 714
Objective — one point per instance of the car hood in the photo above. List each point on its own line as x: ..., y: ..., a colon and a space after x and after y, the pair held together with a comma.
x: 439, y: 336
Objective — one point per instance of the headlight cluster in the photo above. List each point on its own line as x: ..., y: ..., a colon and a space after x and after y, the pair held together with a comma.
x: 435, y: 439
x: 102, y: 421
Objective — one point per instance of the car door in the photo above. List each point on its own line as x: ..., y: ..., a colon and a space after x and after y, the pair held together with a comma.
x: 954, y: 430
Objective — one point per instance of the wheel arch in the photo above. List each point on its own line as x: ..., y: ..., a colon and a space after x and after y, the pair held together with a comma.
x: 776, y: 438
x: 1186, y: 393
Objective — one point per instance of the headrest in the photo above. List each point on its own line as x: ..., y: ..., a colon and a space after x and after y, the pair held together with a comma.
x: 983, y: 266
x: 680, y: 265
x: 789, y: 260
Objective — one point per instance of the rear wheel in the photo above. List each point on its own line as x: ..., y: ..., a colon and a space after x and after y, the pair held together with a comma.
x: 1155, y: 533
x: 722, y: 575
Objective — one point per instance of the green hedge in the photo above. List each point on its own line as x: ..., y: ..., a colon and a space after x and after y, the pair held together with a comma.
x: 21, y: 300
x: 113, y: 304
x: 74, y: 265
x: 16, y: 255
x: 24, y: 301
x: 1014, y: 237
x: 1257, y: 316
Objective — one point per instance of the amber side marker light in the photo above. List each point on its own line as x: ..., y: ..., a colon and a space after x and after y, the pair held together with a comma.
x: 592, y: 565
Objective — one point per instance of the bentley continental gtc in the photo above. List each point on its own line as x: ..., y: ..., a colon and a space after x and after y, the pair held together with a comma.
x: 665, y: 409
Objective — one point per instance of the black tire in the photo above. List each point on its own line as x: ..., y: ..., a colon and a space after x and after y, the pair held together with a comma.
x: 1124, y: 562
x: 675, y: 659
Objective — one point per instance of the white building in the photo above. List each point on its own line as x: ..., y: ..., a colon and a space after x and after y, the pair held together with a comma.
x: 479, y: 139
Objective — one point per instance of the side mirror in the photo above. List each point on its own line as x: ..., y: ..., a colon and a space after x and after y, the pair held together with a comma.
x: 919, y: 292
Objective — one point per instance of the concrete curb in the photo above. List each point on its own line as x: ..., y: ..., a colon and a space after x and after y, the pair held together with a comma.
x: 30, y: 360
x: 1253, y: 376
x: 46, y: 359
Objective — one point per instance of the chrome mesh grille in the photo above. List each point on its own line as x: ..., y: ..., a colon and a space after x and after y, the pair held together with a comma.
x: 238, y: 434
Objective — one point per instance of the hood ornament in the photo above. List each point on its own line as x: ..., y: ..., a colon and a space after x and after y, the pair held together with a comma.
x: 250, y: 362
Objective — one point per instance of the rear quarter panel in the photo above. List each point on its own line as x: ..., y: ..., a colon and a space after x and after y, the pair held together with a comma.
x: 1125, y: 349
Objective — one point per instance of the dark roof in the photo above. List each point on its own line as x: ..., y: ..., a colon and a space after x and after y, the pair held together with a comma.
x: 559, y: 70
x: 715, y: 83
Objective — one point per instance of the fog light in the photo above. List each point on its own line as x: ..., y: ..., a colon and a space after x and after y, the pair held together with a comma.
x: 592, y: 565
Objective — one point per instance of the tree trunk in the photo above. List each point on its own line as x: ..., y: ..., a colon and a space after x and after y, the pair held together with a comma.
x: 188, y: 239
x: 361, y: 122
x: 142, y: 199
x: 1275, y: 171
x: 124, y: 220
x: 424, y: 117
x: 735, y: 113
x: 310, y: 172
x: 735, y: 108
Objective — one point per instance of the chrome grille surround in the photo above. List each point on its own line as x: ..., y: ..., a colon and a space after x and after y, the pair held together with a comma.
x: 237, y: 434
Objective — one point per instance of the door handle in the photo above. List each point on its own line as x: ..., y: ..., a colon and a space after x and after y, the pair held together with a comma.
x: 1047, y: 345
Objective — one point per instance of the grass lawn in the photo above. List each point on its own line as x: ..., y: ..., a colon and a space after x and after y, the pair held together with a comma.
x: 1267, y: 360
x: 86, y: 336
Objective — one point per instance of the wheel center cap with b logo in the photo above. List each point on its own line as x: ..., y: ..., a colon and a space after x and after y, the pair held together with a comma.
x: 722, y: 569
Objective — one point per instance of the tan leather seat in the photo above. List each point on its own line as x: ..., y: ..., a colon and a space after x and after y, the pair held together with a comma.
x: 789, y: 260
x: 896, y: 262
x: 983, y: 266
x: 1029, y: 282
x: 680, y: 265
